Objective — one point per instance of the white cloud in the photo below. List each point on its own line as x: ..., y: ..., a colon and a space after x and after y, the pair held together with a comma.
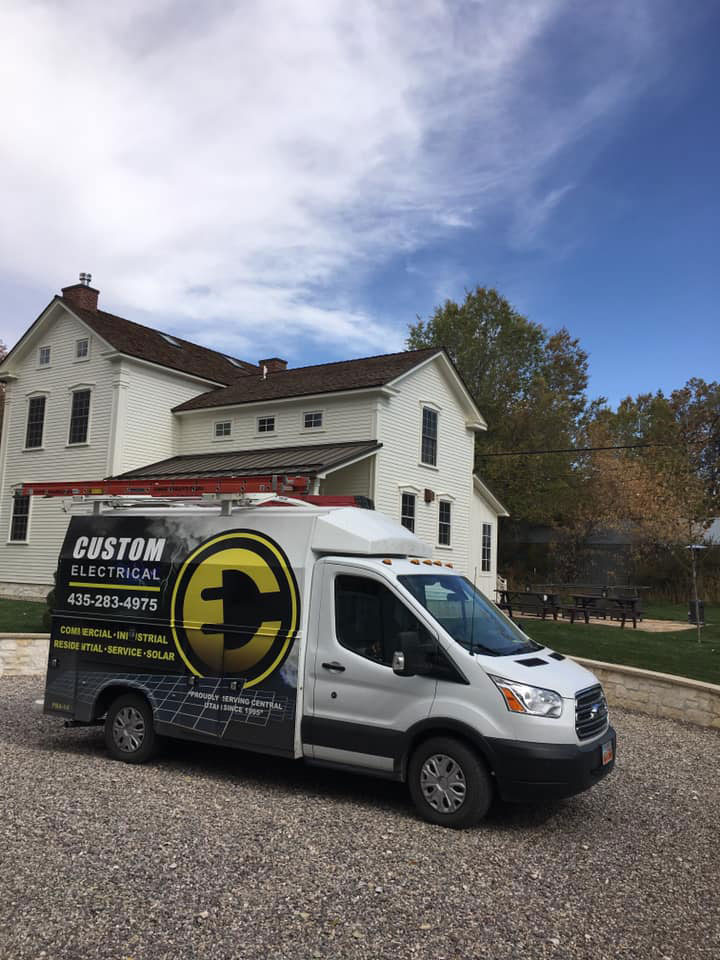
x: 237, y: 165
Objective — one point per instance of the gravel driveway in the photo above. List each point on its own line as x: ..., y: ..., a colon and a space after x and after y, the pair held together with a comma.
x: 211, y: 853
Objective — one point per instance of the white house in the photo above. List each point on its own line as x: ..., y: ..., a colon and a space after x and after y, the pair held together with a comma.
x: 90, y: 395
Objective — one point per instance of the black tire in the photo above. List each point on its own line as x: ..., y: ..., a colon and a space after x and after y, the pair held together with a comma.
x: 443, y: 771
x: 129, y: 730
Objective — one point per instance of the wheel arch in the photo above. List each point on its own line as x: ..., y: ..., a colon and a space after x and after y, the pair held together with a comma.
x: 115, y: 689
x: 444, y: 727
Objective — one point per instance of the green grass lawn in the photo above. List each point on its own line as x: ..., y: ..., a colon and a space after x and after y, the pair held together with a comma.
x: 677, y: 653
x: 665, y: 610
x: 21, y: 616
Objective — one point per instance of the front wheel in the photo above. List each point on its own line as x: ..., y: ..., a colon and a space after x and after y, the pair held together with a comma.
x: 129, y: 732
x: 449, y: 783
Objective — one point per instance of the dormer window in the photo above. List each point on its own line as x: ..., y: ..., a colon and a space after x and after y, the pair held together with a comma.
x: 44, y: 357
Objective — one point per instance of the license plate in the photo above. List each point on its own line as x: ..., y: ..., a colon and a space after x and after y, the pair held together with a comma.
x: 607, y: 752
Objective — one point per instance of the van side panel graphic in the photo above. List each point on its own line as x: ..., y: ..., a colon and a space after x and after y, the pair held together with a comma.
x: 198, y: 614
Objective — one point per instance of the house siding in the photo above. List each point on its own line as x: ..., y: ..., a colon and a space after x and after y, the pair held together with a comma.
x: 399, y: 469
x: 480, y: 513
x: 344, y: 419
x: 34, y: 562
x: 353, y: 481
x: 131, y: 424
x: 151, y: 430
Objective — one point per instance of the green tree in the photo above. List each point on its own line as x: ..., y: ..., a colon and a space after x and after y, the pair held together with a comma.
x: 531, y: 388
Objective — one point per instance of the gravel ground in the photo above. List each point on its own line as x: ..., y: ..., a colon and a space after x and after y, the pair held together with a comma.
x: 218, y: 854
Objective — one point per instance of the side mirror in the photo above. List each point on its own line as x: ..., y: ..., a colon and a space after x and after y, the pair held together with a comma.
x: 398, y: 664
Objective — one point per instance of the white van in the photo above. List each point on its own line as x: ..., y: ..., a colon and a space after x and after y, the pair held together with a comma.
x: 319, y: 633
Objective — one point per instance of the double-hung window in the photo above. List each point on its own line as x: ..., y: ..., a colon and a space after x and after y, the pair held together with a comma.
x: 79, y: 416
x: 444, y: 513
x: 407, y: 511
x: 486, y: 548
x: 35, y: 422
x: 266, y: 424
x: 428, y: 450
x: 44, y: 357
x: 82, y: 349
x: 20, y: 518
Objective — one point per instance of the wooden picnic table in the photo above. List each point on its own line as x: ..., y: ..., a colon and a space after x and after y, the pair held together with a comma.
x: 529, y: 601
x: 624, y: 607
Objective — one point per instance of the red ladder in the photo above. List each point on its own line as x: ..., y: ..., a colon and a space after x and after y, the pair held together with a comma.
x: 296, y: 487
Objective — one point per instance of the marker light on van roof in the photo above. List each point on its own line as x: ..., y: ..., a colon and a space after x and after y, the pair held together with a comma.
x: 522, y: 698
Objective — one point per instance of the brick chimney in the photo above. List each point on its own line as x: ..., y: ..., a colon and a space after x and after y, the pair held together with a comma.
x: 81, y: 294
x: 273, y: 364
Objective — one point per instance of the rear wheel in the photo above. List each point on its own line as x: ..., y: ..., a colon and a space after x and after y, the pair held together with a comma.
x: 449, y: 783
x: 129, y: 732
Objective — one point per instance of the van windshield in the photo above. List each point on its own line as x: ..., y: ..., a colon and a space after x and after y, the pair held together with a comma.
x: 467, y: 615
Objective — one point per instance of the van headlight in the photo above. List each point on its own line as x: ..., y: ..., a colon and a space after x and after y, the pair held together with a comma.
x: 521, y: 698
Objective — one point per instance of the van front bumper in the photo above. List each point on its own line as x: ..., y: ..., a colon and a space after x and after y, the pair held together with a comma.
x: 532, y: 772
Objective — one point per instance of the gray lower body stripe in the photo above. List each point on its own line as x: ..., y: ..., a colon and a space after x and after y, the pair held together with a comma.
x: 352, y: 758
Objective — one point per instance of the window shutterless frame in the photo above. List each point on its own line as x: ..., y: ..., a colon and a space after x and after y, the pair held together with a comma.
x: 222, y: 429
x: 82, y: 348
x: 35, y: 422
x: 444, y: 523
x: 44, y: 356
x: 266, y: 424
x: 486, y: 548
x: 79, y: 416
x: 407, y: 511
x: 20, y: 520
x: 429, y: 437
x: 312, y: 420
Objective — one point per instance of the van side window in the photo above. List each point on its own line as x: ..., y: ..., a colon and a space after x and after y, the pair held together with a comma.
x: 372, y: 622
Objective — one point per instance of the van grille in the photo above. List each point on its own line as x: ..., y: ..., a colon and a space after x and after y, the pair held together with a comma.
x: 591, y: 712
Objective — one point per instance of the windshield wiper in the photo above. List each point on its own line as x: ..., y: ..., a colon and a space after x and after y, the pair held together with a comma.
x: 481, y: 648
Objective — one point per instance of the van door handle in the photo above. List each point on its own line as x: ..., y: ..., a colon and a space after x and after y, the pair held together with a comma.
x: 334, y: 666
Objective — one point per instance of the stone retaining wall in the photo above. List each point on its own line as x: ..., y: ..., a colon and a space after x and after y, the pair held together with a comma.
x: 22, y: 654
x: 24, y: 591
x: 659, y: 694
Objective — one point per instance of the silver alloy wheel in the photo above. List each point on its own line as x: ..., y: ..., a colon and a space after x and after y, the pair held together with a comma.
x: 443, y: 784
x: 128, y: 729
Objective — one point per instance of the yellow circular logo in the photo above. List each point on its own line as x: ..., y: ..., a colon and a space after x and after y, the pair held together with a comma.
x: 235, y: 607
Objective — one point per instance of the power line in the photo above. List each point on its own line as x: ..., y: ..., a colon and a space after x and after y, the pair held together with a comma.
x: 535, y: 453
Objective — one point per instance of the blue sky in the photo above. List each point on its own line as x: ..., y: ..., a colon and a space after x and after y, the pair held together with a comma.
x: 304, y: 179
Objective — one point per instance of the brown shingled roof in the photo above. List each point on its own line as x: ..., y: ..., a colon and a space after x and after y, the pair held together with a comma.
x: 142, y: 342
x: 303, y: 381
